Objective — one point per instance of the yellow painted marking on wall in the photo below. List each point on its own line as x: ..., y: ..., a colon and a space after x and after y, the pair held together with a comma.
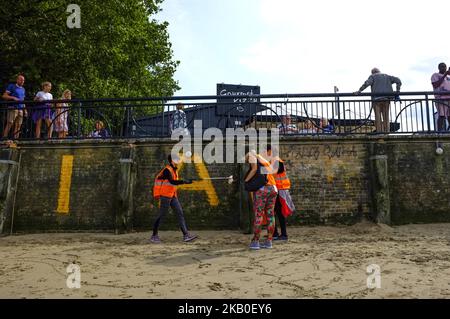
x: 65, y: 182
x: 329, y: 170
x: 203, y: 185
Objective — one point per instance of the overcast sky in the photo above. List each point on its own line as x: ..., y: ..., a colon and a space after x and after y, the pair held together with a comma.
x: 294, y: 46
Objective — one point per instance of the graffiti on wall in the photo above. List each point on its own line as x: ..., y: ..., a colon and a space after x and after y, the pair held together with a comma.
x: 327, y: 150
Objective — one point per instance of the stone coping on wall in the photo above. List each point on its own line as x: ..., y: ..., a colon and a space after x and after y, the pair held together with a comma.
x: 284, y: 139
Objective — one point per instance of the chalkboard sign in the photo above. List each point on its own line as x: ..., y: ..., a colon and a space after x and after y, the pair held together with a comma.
x: 234, y: 100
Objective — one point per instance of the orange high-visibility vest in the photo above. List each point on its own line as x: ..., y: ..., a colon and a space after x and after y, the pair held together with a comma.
x: 282, y: 179
x: 162, y: 187
x: 265, y: 163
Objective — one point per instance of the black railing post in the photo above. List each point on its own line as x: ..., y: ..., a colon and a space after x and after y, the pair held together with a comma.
x: 79, y: 121
x: 336, y: 101
x: 428, y: 113
x: 318, y: 103
x: 335, y: 108
x: 128, y: 121
x: 340, y: 119
x: 163, y: 126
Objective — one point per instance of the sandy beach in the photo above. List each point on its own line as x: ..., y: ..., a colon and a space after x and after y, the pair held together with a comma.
x: 317, y: 262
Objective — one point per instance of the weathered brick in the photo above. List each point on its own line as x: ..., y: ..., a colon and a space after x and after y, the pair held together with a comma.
x: 331, y: 182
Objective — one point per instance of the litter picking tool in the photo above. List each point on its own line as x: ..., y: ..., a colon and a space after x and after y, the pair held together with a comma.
x: 230, y: 179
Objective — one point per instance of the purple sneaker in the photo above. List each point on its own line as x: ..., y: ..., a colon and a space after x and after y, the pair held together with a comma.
x: 267, y: 244
x: 189, y: 237
x: 254, y: 245
x: 155, y: 239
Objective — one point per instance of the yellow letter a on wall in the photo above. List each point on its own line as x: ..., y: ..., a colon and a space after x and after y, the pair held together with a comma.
x: 203, y: 185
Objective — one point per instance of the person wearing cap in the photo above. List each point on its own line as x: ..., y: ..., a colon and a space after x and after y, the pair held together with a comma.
x: 165, y: 190
x: 381, y: 83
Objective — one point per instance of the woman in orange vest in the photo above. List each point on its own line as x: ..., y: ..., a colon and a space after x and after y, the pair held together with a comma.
x: 165, y: 190
x: 263, y: 200
x: 284, y: 206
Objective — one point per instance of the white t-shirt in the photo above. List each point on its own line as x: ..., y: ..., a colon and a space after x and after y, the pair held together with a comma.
x: 287, y: 128
x: 444, y: 87
x: 44, y: 96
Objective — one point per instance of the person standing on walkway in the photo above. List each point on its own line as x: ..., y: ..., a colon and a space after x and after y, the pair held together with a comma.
x: 381, y: 83
x: 16, y: 113
x: 179, y: 121
x: 43, y: 111
x: 62, y: 114
x: 441, y: 85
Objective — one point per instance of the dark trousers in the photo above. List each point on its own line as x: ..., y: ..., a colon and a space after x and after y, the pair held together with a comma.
x: 281, y: 218
x: 165, y: 203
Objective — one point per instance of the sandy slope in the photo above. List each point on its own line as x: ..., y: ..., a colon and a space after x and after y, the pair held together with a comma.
x: 318, y: 262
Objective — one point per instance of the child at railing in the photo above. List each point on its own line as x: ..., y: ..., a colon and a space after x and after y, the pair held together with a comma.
x: 100, y: 131
x: 43, y: 111
x: 62, y: 114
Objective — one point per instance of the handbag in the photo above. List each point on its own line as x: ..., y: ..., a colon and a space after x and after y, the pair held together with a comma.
x: 256, y: 182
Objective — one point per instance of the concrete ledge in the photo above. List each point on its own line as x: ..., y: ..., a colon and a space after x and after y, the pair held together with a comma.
x: 286, y: 139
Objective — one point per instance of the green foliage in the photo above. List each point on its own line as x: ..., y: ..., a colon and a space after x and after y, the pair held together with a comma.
x: 119, y: 51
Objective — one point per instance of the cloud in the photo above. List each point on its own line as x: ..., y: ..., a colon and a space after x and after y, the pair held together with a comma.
x: 316, y: 45
x: 305, y: 46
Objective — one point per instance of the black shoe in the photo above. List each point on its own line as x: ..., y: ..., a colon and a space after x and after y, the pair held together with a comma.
x: 281, y: 238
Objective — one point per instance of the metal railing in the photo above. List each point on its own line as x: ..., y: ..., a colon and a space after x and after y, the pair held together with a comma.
x: 292, y: 114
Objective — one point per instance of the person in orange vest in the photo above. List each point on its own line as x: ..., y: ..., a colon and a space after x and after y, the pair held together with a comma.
x: 263, y: 200
x: 284, y: 206
x: 165, y: 190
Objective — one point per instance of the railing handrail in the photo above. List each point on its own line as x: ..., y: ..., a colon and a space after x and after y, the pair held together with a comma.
x: 219, y: 97
x: 344, y: 113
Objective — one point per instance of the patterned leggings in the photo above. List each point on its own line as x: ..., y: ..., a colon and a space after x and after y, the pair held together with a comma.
x: 263, y: 204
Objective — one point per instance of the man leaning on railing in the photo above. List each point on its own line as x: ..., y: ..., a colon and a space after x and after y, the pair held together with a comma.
x: 381, y: 83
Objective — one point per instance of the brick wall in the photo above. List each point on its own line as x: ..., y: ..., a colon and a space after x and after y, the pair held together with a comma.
x: 419, y: 181
x: 329, y: 180
x: 331, y: 183
x: 200, y: 214
x: 92, y: 195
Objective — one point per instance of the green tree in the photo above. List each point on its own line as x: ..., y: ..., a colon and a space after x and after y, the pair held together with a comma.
x: 121, y: 50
